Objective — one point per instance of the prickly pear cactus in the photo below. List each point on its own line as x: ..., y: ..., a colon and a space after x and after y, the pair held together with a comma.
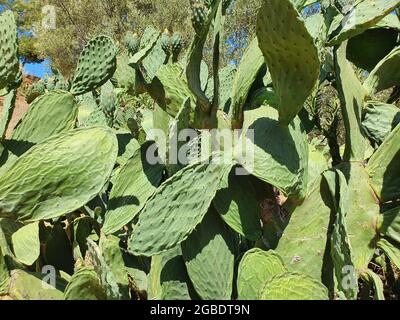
x: 59, y: 175
x: 255, y: 269
x: 96, y: 65
x: 209, y: 258
x: 383, y: 76
x: 132, y: 43
x: 85, y: 285
x: 166, y: 42
x: 152, y: 238
x: 128, y: 196
x: 363, y: 16
x: 294, y: 286
x: 53, y: 113
x: 292, y: 57
x: 176, y: 45
x: 199, y: 14
x: 9, y: 64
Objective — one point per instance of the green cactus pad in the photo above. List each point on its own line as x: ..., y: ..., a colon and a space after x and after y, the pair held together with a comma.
x: 174, y: 89
x: 303, y: 243
x: 59, y: 175
x: 9, y: 64
x: 113, y: 257
x: 379, y: 120
x: 238, y: 206
x: 53, y: 113
x: 30, y: 286
x: 178, y: 206
x: 384, y: 75
x: 199, y: 16
x: 384, y: 170
x: 85, y: 285
x: 209, y: 258
x: 26, y: 244
x: 341, y: 251
x: 96, y: 65
x: 152, y: 62
x: 364, y: 15
x: 105, y: 272
x: 291, y: 55
x: 4, y: 274
x: 369, y: 48
x: 390, y: 224
x: 294, y: 286
x: 391, y: 251
x: 149, y: 40
x: 249, y: 68
x: 8, y: 108
x: 166, y: 42
x: 168, y: 278
x: 125, y: 76
x: 255, y: 269
x: 317, y: 164
x: 176, y: 45
x: 35, y: 90
x: 352, y: 96
x: 363, y: 213
x: 132, y: 43
x: 280, y: 152
x: 132, y: 187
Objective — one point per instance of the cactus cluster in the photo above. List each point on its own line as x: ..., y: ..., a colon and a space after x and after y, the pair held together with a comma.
x: 87, y: 186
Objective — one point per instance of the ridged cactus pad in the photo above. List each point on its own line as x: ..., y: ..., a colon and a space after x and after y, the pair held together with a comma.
x: 209, y: 258
x: 291, y: 55
x: 59, y: 175
x: 9, y: 64
x: 182, y: 215
x: 294, y: 286
x: 96, y: 65
x: 53, y: 113
x: 255, y: 269
x: 363, y: 16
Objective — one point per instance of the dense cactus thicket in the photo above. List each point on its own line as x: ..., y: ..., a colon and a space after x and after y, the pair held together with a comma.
x: 93, y: 204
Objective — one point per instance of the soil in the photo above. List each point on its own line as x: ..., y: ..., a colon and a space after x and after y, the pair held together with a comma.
x: 21, y: 107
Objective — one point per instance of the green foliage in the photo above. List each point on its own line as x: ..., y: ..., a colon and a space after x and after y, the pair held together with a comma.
x: 91, y: 195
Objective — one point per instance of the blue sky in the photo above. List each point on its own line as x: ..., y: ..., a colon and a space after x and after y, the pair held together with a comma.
x: 38, y: 69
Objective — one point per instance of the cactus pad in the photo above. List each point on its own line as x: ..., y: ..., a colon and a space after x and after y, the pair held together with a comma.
x: 291, y: 55
x: 384, y: 75
x: 178, y: 206
x: 96, y: 65
x: 9, y: 64
x: 209, y: 258
x: 255, y: 269
x: 363, y: 16
x: 132, y: 187
x: 384, y: 170
x: 238, y: 206
x: 294, y: 286
x: 53, y: 113
x: 59, y: 175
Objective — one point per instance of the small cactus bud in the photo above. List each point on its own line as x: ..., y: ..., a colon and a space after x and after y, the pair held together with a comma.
x: 132, y: 42
x: 199, y: 15
x: 176, y: 45
x: 166, y: 42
